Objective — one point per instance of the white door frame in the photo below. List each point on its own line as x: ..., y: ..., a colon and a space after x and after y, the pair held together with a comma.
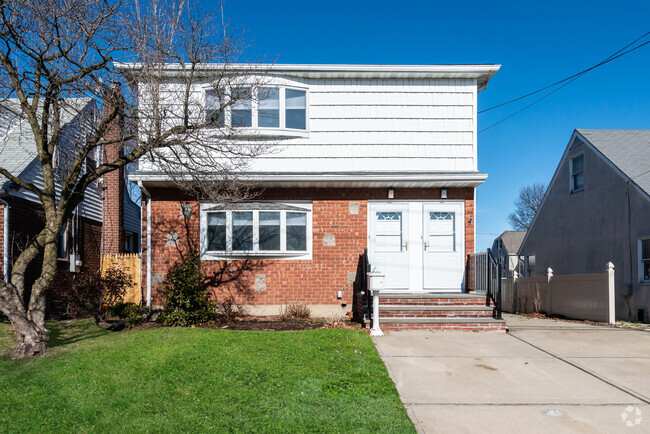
x: 415, y: 232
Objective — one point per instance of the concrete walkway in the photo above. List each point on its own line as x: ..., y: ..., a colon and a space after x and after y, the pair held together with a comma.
x: 542, y: 376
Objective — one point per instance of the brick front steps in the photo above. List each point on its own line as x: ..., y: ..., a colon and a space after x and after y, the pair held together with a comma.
x: 436, y: 311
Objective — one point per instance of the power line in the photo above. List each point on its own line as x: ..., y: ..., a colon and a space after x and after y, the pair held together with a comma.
x: 603, y: 62
x: 571, y: 80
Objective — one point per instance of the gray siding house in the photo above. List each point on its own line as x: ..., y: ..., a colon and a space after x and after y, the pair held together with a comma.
x: 505, y: 248
x: 595, y: 210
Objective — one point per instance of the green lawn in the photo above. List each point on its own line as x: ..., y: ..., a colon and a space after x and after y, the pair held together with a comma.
x: 181, y: 379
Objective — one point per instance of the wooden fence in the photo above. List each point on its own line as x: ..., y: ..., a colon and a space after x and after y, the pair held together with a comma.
x: 130, y: 263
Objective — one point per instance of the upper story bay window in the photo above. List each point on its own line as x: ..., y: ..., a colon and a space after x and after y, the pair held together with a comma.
x: 278, y: 108
x: 256, y: 230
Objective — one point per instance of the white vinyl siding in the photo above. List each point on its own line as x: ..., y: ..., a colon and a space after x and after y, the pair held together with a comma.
x: 382, y: 125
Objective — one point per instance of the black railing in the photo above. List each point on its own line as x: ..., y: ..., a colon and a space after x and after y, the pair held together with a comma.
x: 362, y: 298
x: 493, y: 293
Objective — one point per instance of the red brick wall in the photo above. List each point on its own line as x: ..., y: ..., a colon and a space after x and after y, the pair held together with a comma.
x: 113, y: 182
x: 314, y: 281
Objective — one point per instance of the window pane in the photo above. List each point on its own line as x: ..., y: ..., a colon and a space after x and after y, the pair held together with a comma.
x: 578, y: 164
x: 646, y: 271
x: 242, y: 231
x: 441, y: 243
x: 269, y: 231
x: 213, y: 103
x: 217, y: 231
x: 645, y: 249
x: 296, y: 231
x: 388, y: 232
x: 268, y: 113
x: 241, y: 112
x: 442, y: 236
x: 296, y: 113
x: 578, y: 181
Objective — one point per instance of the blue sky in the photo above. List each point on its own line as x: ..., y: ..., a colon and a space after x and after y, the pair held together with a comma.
x: 537, y: 43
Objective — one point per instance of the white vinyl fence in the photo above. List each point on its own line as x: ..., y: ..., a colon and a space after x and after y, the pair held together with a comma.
x: 578, y: 296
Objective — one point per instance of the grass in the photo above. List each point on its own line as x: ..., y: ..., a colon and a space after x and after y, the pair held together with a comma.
x: 184, y: 379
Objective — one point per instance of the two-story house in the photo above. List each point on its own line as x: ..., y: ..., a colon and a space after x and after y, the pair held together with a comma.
x: 376, y: 157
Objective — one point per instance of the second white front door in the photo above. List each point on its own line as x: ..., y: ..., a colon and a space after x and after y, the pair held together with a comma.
x: 419, y: 246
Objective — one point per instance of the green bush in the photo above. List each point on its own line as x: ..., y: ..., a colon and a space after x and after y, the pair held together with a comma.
x: 126, y: 310
x: 187, y: 297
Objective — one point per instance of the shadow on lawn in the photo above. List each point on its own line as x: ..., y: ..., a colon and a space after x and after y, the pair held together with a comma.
x: 69, y: 332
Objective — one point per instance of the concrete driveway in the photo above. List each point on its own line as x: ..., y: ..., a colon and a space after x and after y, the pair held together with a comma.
x: 544, y: 375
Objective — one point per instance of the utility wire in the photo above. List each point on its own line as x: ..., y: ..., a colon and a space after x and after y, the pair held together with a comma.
x: 606, y: 60
x: 571, y: 80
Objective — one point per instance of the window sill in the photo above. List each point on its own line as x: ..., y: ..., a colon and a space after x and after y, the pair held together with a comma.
x: 576, y: 191
x: 277, y: 133
x: 220, y: 256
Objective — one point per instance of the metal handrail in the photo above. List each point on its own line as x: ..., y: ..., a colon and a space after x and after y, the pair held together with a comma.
x: 493, y: 292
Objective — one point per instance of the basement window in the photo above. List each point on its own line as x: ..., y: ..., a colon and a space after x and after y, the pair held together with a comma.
x: 260, y: 229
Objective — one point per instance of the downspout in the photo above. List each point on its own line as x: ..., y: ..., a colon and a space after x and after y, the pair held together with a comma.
x: 5, y: 241
x: 148, y: 200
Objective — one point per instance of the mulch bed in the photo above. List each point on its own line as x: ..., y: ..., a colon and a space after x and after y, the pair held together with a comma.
x: 261, y: 323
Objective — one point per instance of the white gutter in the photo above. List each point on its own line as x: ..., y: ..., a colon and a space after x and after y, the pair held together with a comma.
x: 463, y: 179
x: 148, y: 199
x: 5, y: 241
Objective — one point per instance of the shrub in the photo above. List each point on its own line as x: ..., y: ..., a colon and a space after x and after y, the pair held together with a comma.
x: 295, y: 311
x: 126, y: 310
x: 85, y: 294
x: 229, y: 309
x: 187, y: 297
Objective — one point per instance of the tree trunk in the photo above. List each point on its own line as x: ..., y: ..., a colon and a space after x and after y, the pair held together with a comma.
x: 28, y: 322
x: 31, y: 338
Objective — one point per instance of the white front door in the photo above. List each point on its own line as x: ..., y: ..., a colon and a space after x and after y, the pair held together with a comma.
x: 444, y: 246
x: 389, y: 242
x: 419, y: 246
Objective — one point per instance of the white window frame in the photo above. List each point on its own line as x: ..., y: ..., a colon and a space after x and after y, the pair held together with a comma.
x: 255, y: 129
x: 255, y: 208
x: 642, y: 260
x: 572, y: 174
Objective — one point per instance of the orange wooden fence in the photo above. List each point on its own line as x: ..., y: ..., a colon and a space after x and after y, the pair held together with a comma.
x: 130, y: 263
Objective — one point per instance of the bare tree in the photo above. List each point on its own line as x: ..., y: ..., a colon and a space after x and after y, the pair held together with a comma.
x: 526, y: 205
x: 144, y: 64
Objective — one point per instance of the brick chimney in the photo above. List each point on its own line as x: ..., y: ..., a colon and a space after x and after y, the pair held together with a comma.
x: 113, y: 182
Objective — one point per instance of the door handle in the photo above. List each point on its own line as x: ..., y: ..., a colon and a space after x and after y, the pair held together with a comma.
x: 406, y: 245
x: 425, y: 246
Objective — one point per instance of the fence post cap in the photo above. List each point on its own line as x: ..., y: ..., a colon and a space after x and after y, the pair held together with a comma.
x: 515, y: 274
x: 549, y: 271
x: 609, y: 266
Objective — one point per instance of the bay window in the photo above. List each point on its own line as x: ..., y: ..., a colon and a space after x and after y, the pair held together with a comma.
x: 256, y: 229
x: 266, y: 108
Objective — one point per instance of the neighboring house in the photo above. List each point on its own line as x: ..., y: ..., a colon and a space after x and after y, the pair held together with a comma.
x: 100, y: 224
x: 382, y: 158
x: 505, y: 248
x: 597, y: 210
